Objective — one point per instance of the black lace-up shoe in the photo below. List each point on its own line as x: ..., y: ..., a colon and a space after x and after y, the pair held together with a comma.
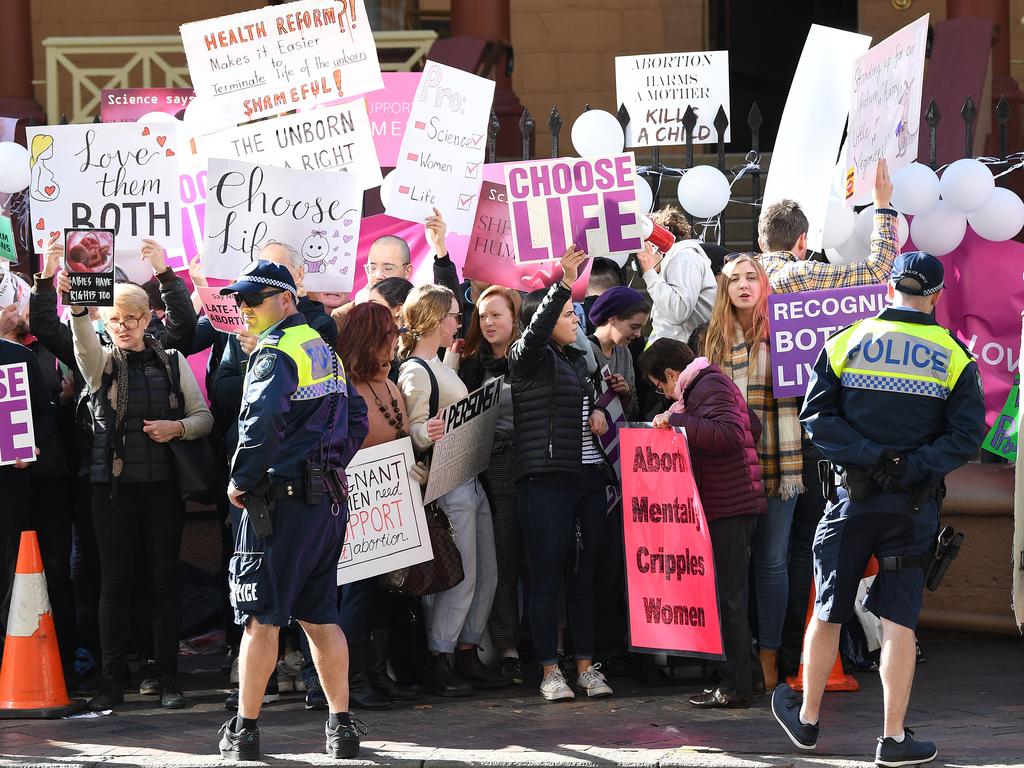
x: 893, y: 754
x: 786, y: 708
x: 243, y: 744
x: 343, y: 741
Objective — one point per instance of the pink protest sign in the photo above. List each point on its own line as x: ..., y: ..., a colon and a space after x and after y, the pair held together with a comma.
x: 670, y: 569
x: 17, y: 436
x: 126, y: 105
x: 389, y: 113
x: 587, y: 201
x: 490, y: 256
x: 222, y: 310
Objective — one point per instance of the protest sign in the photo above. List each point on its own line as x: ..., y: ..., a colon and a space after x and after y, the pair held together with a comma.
x: 273, y: 60
x: 804, y: 157
x: 126, y: 105
x: 609, y: 441
x: 89, y: 262
x: 885, y: 109
x: 13, y: 289
x: 387, y: 528
x: 670, y: 568
x: 335, y: 138
x: 8, y: 248
x: 389, y: 113
x: 222, y: 310
x: 440, y: 164
x: 122, y: 176
x: 1002, y: 438
x: 801, y: 322
x: 588, y: 201
x: 17, y: 434
x: 465, y: 449
x: 658, y: 87
x: 317, y: 214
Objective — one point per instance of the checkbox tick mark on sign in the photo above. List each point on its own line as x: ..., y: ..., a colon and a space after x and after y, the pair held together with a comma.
x: 477, y: 137
x: 465, y: 201
x: 472, y: 170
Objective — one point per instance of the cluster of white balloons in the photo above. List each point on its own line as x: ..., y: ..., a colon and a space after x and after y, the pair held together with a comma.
x: 15, y: 174
x: 941, y: 209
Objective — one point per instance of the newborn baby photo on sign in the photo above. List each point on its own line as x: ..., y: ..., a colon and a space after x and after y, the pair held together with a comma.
x: 89, y: 261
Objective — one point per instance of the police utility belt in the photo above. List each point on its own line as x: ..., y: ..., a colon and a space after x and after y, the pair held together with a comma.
x: 859, y: 486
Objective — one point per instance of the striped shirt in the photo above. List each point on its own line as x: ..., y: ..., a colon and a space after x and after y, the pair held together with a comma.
x: 591, y: 453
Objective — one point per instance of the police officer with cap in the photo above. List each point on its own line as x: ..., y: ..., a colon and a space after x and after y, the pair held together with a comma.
x: 895, y: 404
x: 298, y: 428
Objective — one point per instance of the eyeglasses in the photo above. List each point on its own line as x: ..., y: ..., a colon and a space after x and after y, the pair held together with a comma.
x: 255, y: 298
x: 130, y: 323
x: 384, y: 269
x: 456, y: 315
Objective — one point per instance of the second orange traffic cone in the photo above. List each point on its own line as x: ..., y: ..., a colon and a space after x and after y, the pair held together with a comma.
x: 31, y: 676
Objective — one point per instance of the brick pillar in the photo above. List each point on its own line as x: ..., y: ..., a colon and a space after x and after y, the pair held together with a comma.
x: 17, y: 94
x: 491, y: 20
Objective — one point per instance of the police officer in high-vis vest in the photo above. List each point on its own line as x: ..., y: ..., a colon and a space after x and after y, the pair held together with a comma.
x: 299, y: 427
x: 895, y: 404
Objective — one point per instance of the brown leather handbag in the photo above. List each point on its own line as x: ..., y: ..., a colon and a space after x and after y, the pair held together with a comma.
x: 441, y: 573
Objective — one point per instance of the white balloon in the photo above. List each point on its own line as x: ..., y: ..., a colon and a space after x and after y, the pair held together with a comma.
x: 704, y: 191
x: 15, y: 173
x: 940, y: 230
x: 203, y: 117
x: 386, y: 186
x: 864, y: 225
x: 1001, y: 218
x: 644, y: 194
x: 967, y: 185
x: 902, y: 230
x: 849, y: 252
x: 646, y: 225
x: 597, y: 132
x: 915, y: 189
x: 839, y: 222
x: 157, y: 117
x: 618, y: 258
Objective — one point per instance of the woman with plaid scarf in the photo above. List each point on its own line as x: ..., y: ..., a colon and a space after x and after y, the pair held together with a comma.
x: 737, y: 342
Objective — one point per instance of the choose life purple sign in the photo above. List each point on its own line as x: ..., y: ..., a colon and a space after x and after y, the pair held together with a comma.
x: 801, y: 322
x: 587, y: 201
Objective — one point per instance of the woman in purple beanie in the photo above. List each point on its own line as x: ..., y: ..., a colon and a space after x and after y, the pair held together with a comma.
x: 619, y: 314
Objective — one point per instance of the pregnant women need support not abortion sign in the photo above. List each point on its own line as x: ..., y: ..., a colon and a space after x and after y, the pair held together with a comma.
x: 670, y: 569
x: 387, y: 528
x: 588, y: 201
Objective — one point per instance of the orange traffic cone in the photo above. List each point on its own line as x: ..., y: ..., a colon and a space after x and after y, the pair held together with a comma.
x: 31, y: 677
x: 838, y: 680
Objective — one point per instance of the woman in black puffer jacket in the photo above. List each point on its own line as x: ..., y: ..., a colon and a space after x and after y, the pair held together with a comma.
x: 561, y: 476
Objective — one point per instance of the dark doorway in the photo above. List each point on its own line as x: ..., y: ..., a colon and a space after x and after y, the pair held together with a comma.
x: 764, y: 40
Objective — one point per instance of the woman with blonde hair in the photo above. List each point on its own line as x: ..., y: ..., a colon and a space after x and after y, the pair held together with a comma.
x: 737, y: 342
x: 142, y: 397
x: 456, y: 618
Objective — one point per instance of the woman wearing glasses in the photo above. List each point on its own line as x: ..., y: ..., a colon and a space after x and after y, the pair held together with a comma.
x: 457, y: 618
x: 142, y: 397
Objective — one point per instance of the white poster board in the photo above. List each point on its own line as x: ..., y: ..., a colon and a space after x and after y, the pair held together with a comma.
x: 276, y: 59
x: 335, y: 138
x: 120, y: 176
x: 885, y: 109
x: 317, y: 214
x: 17, y: 433
x: 465, y: 449
x: 440, y: 164
x: 658, y: 87
x: 387, y: 528
x: 811, y: 129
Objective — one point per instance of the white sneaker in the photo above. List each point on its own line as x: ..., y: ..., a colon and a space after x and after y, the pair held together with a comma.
x: 293, y: 661
x: 285, y: 681
x: 593, y: 682
x: 554, y: 688
x: 233, y: 676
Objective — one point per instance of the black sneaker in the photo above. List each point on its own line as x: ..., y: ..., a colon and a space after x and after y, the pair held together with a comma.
x: 111, y: 693
x: 892, y: 753
x: 239, y: 745
x: 512, y: 668
x: 786, y: 708
x: 269, y: 697
x: 149, y: 682
x: 316, y: 699
x: 469, y: 667
x: 171, y: 696
x: 343, y: 741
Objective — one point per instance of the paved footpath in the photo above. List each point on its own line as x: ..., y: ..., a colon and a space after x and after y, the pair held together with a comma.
x: 969, y: 698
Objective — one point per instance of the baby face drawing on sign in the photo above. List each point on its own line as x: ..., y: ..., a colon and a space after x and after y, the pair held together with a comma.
x: 44, y: 186
x: 315, y: 251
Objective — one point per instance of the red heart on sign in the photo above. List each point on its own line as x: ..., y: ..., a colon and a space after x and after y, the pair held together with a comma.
x: 169, y: 152
x: 160, y: 140
x: 39, y: 243
x: 40, y: 224
x: 54, y: 234
x: 49, y: 190
x: 145, y: 131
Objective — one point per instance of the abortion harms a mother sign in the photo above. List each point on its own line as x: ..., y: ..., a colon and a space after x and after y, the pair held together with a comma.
x: 587, y: 201
x: 121, y: 176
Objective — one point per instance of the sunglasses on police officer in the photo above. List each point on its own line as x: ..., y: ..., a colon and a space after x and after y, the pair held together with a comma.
x: 255, y: 298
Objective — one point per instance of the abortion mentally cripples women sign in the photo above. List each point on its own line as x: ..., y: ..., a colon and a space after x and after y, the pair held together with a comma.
x: 670, y: 569
x: 587, y: 201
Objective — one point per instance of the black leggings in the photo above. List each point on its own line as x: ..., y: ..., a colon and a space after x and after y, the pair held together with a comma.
x: 143, y: 522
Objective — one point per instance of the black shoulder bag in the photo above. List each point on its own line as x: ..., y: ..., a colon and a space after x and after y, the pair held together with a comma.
x: 197, y: 468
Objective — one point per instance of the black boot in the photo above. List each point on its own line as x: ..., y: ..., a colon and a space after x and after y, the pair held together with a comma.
x: 110, y: 694
x: 442, y: 680
x: 377, y: 669
x: 469, y: 667
x: 360, y: 692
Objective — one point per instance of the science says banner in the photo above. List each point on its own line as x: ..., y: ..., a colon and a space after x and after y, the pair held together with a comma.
x: 670, y: 569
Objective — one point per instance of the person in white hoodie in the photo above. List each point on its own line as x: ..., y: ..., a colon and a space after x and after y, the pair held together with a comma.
x: 681, y: 283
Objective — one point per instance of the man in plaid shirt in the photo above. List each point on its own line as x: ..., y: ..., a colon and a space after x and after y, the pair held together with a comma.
x: 782, y: 235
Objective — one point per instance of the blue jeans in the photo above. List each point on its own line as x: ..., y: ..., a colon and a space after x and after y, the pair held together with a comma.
x: 549, y: 507
x: 771, y: 574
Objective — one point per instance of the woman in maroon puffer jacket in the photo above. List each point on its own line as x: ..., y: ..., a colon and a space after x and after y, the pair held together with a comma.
x: 721, y: 432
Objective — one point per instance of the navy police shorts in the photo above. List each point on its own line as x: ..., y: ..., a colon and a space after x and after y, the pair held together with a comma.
x: 292, y: 574
x: 846, y: 538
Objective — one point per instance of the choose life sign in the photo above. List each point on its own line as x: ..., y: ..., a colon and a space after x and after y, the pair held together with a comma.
x: 17, y: 435
x: 589, y: 201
